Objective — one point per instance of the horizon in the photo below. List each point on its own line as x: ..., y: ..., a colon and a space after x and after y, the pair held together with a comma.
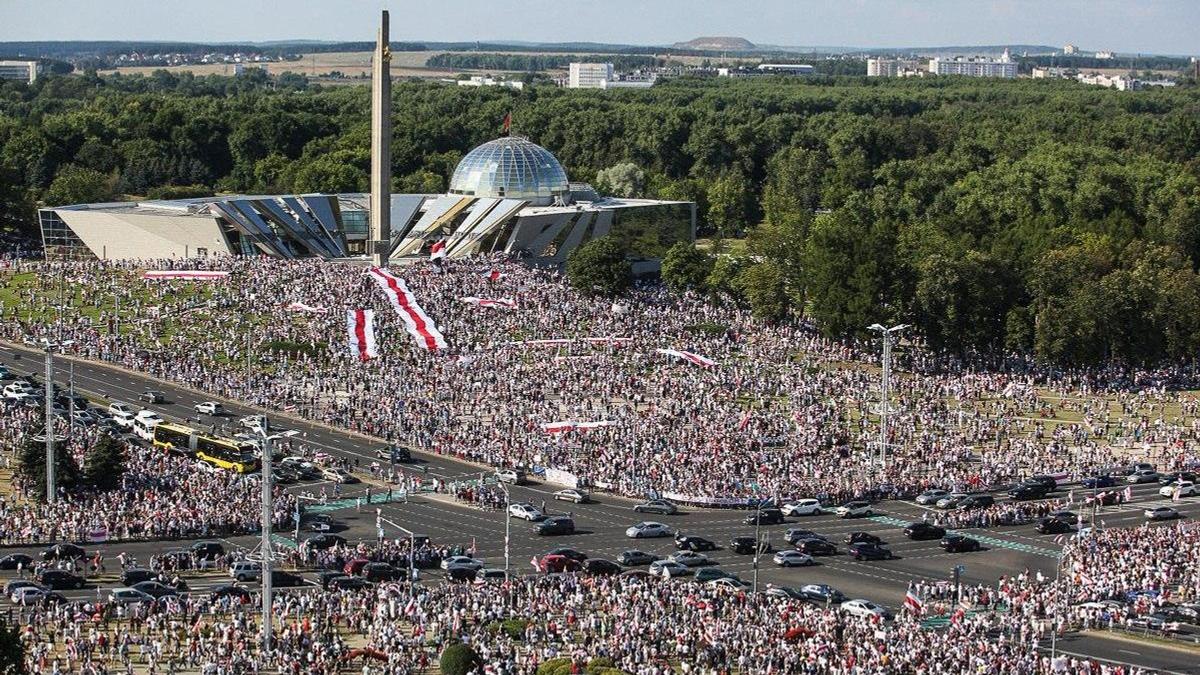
x: 1160, y: 28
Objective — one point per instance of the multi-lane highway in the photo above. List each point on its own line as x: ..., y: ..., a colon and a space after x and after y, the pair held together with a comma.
x: 601, y: 525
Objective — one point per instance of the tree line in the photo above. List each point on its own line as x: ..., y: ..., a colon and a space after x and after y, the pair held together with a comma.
x: 536, y: 62
x: 1026, y: 215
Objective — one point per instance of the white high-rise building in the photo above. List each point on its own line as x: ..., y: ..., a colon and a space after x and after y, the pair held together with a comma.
x: 882, y: 67
x: 590, y: 75
x: 1070, y: 49
x: 19, y: 70
x: 975, y: 67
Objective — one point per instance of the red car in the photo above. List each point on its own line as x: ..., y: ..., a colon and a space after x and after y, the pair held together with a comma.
x: 552, y: 563
x: 355, y: 566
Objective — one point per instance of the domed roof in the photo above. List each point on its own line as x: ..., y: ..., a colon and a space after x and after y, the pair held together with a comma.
x: 511, y: 167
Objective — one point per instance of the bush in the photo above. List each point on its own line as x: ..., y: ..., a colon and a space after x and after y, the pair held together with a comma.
x: 686, y: 268
x: 179, y: 192
x: 458, y: 659
x: 515, y: 628
x: 599, y: 267
x: 559, y: 666
x: 602, y: 666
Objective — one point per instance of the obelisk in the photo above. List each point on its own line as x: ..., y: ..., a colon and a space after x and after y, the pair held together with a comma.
x: 381, y: 147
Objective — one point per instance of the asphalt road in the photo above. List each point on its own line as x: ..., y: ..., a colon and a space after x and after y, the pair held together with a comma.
x: 601, y: 525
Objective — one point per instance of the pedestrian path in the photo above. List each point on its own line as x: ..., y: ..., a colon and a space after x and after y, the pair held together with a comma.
x: 981, y: 538
x: 397, y: 496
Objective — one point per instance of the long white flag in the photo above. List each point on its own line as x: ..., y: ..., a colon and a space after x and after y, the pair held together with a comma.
x: 360, y: 324
x: 418, y: 323
x: 690, y: 357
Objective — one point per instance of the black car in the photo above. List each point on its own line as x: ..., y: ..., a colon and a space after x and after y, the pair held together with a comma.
x: 328, y: 576
x: 688, y: 543
x: 152, y: 396
x: 765, y: 517
x: 394, y: 453
x: 460, y: 574
x: 208, y: 549
x: 1048, y: 482
x: 957, y: 543
x: 381, y: 571
x: 136, y: 575
x: 1027, y: 491
x: 324, y: 541
x: 14, y: 560
x: 63, y: 552
x: 869, y: 551
x: 281, y: 579
x: 60, y: 579
x: 823, y: 593
x: 555, y: 525
x: 599, y: 567
x: 862, y: 538
x: 975, y: 502
x: 1099, y: 481
x: 1177, y: 477
x: 630, y: 558
x: 816, y: 547
x: 1054, y: 526
x: 569, y: 553
x: 348, y: 583
x: 745, y: 545
x: 231, y: 590
x: 154, y: 588
x: 924, y: 531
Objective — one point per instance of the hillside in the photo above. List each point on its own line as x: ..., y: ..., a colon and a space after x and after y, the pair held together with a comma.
x: 731, y: 44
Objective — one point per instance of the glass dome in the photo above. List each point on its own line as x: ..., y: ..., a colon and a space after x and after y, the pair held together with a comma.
x: 510, y: 167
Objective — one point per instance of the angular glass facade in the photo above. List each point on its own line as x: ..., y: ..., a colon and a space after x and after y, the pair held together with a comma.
x: 513, y: 168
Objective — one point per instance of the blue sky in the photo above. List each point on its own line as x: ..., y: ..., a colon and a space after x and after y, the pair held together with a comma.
x: 1148, y: 26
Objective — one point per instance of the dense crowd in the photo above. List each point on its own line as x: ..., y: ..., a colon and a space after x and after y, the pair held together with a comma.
x: 778, y: 414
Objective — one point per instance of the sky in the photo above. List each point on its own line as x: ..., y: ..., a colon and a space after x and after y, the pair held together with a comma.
x: 1127, y: 26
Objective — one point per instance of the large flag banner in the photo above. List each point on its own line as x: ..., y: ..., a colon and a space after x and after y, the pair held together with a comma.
x: 418, y: 323
x: 301, y: 307
x: 571, y: 425
x: 360, y: 323
x: 690, y: 357
x: 189, y: 275
x: 438, y: 250
x: 503, y: 303
x: 913, y: 601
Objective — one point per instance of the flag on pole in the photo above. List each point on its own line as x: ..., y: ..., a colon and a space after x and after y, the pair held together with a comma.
x: 360, y: 323
x: 506, y: 126
x: 913, y: 601
x: 495, y: 275
x: 745, y: 421
x: 438, y: 250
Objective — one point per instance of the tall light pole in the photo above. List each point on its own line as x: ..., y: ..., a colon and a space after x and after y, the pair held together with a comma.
x: 757, y: 542
x: 266, y: 528
x: 412, y: 541
x: 507, y: 525
x: 888, y: 335
x: 51, y: 491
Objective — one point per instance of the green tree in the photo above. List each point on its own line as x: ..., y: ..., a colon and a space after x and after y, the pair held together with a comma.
x: 420, y: 182
x: 686, y: 267
x: 793, y: 187
x: 79, y: 185
x: 599, y: 267
x: 104, y: 464
x: 16, y: 208
x: 762, y: 286
x: 728, y: 202
x: 621, y: 180
x: 558, y: 666
x: 32, y: 458
x: 12, y: 651
x: 961, y: 300
x: 339, y: 171
x: 458, y: 659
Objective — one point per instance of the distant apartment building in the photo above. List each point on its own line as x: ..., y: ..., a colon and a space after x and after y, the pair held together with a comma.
x: 589, y: 75
x: 1107, y: 56
x: 767, y: 69
x: 1051, y: 72
x: 893, y: 67
x: 1070, y: 49
x: 485, y: 81
x: 19, y: 70
x: 975, y: 66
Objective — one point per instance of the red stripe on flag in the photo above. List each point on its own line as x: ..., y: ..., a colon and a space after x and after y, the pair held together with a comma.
x: 402, y: 302
x: 360, y: 333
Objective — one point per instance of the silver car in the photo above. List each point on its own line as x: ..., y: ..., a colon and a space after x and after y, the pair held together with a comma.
x: 659, y: 506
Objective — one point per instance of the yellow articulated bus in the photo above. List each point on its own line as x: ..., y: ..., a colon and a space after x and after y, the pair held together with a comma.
x: 224, y: 453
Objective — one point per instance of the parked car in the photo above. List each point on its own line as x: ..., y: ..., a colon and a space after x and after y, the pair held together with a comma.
x: 635, y: 557
x: 553, y: 564
x: 816, y: 547
x: 282, y: 579
x: 862, y: 538
x: 689, y: 558
x: 1162, y: 513
x: 63, y: 552
x: 555, y: 525
x: 14, y: 560
x: 669, y: 568
x: 1184, y: 489
x: 1025, y: 492
x: 793, y: 559
x: 245, y: 570
x: 525, y: 511
x: 461, y: 561
x: 795, y: 534
x: 128, y: 596
x: 136, y: 575
x: 600, y: 567
x: 746, y: 545
x: 863, y: 609
x: 60, y: 579
x: 930, y: 497
x: 950, y: 501
x: 1099, y: 481
x: 209, y: 408
x: 394, y: 453
x: 771, y: 516
x: 571, y: 553
x: 975, y: 502
x: 155, y: 589
x: 692, y: 543
x: 208, y: 549
x: 338, y: 475
x: 152, y: 396
x: 511, y: 476
x: 869, y: 551
x: 802, y: 507
x: 823, y: 593
x: 573, y: 495
x: 1054, y: 526
x: 324, y: 541
x: 855, y: 509
x: 1142, y: 476
x: 461, y: 574
x: 647, y: 530
x: 659, y: 506
x: 380, y: 571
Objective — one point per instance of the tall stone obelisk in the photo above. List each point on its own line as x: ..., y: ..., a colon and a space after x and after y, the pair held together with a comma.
x: 381, y: 147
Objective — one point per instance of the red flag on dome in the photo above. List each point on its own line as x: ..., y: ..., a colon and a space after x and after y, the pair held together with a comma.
x: 506, y: 127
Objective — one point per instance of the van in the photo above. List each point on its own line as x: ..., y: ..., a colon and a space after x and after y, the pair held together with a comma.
x: 143, y: 428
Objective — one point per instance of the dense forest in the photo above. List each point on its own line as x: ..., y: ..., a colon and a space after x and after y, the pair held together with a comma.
x: 1027, y: 215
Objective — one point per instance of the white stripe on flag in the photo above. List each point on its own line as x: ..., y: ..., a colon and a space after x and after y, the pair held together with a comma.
x: 690, y: 357
x: 418, y: 323
x: 360, y: 324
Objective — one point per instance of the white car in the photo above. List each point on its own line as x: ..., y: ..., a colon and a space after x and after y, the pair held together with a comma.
x: 729, y: 584
x: 255, y: 423
x: 931, y: 496
x: 28, y: 594
x: 572, y: 495
x: 793, y: 559
x: 855, y: 510
x: 1186, y: 489
x: 863, y: 609
x: 1162, y: 513
x: 144, y: 428
x: 208, y: 408
x: 126, y: 596
x: 647, y: 530
x: 18, y: 390
x: 803, y: 507
x: 950, y: 501
x: 525, y: 511
x: 149, y: 416
x: 118, y: 407
x: 511, y: 476
x: 462, y: 561
x: 123, y: 419
x: 689, y: 558
x: 245, y: 570
x: 338, y: 475
x: 668, y: 568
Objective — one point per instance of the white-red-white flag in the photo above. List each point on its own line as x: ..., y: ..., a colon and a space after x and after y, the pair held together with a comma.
x: 690, y: 357
x: 438, y: 250
x: 494, y: 275
x: 301, y: 307
x: 501, y: 303
x: 187, y: 275
x: 914, y: 602
x: 416, y: 321
x: 360, y: 324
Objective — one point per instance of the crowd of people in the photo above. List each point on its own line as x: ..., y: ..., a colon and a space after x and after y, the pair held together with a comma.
x: 779, y: 413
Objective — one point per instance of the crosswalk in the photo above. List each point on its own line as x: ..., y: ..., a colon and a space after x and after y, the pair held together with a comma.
x: 983, y: 539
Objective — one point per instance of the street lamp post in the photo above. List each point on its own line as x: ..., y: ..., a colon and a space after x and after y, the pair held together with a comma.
x: 888, y: 336
x: 380, y: 521
x: 757, y: 542
x: 267, y: 600
x: 51, y: 491
x: 507, y: 524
